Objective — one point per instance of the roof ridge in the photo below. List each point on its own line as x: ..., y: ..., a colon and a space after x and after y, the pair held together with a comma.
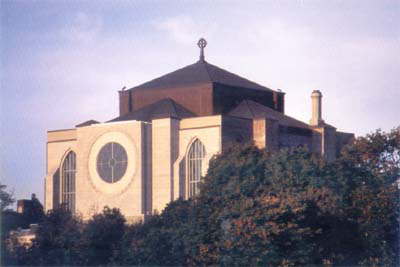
x: 249, y: 107
x: 200, y: 72
x: 206, y: 67
x: 173, y: 105
x: 241, y: 77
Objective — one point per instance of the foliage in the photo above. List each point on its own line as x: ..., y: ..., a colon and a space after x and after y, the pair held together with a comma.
x: 57, y: 240
x: 378, y: 152
x: 6, y: 198
x: 288, y: 208
x: 275, y: 210
x: 65, y: 239
x: 372, y: 189
x: 11, y: 220
x: 102, y: 236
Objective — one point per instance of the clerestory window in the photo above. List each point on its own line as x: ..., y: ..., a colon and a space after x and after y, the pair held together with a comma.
x: 195, y: 159
x: 68, y: 181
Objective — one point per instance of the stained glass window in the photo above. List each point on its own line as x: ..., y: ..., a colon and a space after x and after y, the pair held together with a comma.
x: 112, y: 162
x: 195, y: 158
x: 68, y: 181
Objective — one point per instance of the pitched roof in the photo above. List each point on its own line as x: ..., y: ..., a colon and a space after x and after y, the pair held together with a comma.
x: 251, y: 109
x: 201, y: 72
x: 165, y: 108
x: 87, y: 123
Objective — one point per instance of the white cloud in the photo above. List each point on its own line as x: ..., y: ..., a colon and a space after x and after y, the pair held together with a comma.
x: 185, y: 30
x: 82, y: 28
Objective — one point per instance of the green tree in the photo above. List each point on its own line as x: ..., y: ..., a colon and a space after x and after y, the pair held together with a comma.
x: 9, y: 220
x: 273, y: 210
x: 58, y: 240
x: 371, y: 172
x: 102, y: 237
x: 6, y: 198
x: 288, y: 208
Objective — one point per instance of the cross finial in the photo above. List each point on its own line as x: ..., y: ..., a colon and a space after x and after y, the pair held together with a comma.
x: 202, y: 43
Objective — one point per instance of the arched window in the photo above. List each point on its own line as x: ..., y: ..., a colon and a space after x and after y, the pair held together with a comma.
x: 195, y: 158
x: 68, y: 181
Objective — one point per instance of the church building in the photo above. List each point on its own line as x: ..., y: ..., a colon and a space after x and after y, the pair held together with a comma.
x: 168, y: 129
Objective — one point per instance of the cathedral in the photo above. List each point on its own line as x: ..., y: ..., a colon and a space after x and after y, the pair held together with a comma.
x: 168, y: 129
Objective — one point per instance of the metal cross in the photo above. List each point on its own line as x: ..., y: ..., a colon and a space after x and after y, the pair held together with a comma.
x: 202, y: 43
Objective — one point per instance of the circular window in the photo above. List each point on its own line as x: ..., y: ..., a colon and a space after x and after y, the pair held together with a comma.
x: 112, y: 162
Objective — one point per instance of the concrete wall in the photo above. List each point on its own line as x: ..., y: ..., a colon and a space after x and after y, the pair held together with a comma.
x: 343, y: 139
x: 157, y: 154
x: 295, y: 137
x: 236, y: 130
x: 92, y: 193
x: 208, y: 131
x: 324, y: 142
x: 55, y: 153
x: 266, y: 134
x: 165, y: 133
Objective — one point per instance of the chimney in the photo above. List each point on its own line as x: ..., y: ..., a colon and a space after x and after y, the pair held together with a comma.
x: 316, y: 119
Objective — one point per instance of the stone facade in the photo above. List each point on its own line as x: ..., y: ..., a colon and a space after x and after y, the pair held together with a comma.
x: 167, y: 132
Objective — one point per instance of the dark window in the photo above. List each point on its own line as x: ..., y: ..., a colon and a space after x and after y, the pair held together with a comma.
x: 112, y: 161
x: 68, y: 181
x: 195, y: 159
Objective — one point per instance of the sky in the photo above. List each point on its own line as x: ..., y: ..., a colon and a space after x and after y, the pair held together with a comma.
x: 63, y: 62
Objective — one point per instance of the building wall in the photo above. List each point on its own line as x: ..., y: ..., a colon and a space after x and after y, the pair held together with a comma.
x: 58, y: 145
x: 225, y: 98
x: 171, y: 142
x: 294, y: 137
x: 342, y: 139
x: 206, y: 129
x: 92, y: 193
x: 157, y: 154
x: 324, y: 142
x: 159, y: 148
x: 266, y: 134
x: 196, y: 98
x: 202, y: 99
x: 236, y: 130
x: 164, y: 152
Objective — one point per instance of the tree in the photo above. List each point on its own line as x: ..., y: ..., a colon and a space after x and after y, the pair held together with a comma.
x: 6, y: 198
x: 372, y: 166
x: 102, y: 237
x: 288, y: 208
x: 58, y: 240
x: 274, y: 210
x: 9, y: 220
x: 378, y: 151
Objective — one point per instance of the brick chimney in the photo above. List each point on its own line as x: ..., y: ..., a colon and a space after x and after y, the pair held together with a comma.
x: 316, y: 119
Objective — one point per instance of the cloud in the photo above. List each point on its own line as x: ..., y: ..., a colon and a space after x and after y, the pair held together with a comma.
x: 184, y: 29
x: 82, y: 28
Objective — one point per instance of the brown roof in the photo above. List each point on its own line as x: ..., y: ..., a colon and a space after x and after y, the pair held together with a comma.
x: 251, y: 109
x: 200, y: 72
x: 165, y: 108
x: 87, y: 123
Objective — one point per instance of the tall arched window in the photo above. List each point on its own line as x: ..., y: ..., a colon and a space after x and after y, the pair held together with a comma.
x: 68, y: 181
x: 195, y: 159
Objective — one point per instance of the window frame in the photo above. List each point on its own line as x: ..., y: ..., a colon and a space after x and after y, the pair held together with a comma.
x: 194, y: 165
x: 68, y: 181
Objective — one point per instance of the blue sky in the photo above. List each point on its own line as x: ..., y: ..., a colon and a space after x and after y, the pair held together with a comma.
x: 63, y: 62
